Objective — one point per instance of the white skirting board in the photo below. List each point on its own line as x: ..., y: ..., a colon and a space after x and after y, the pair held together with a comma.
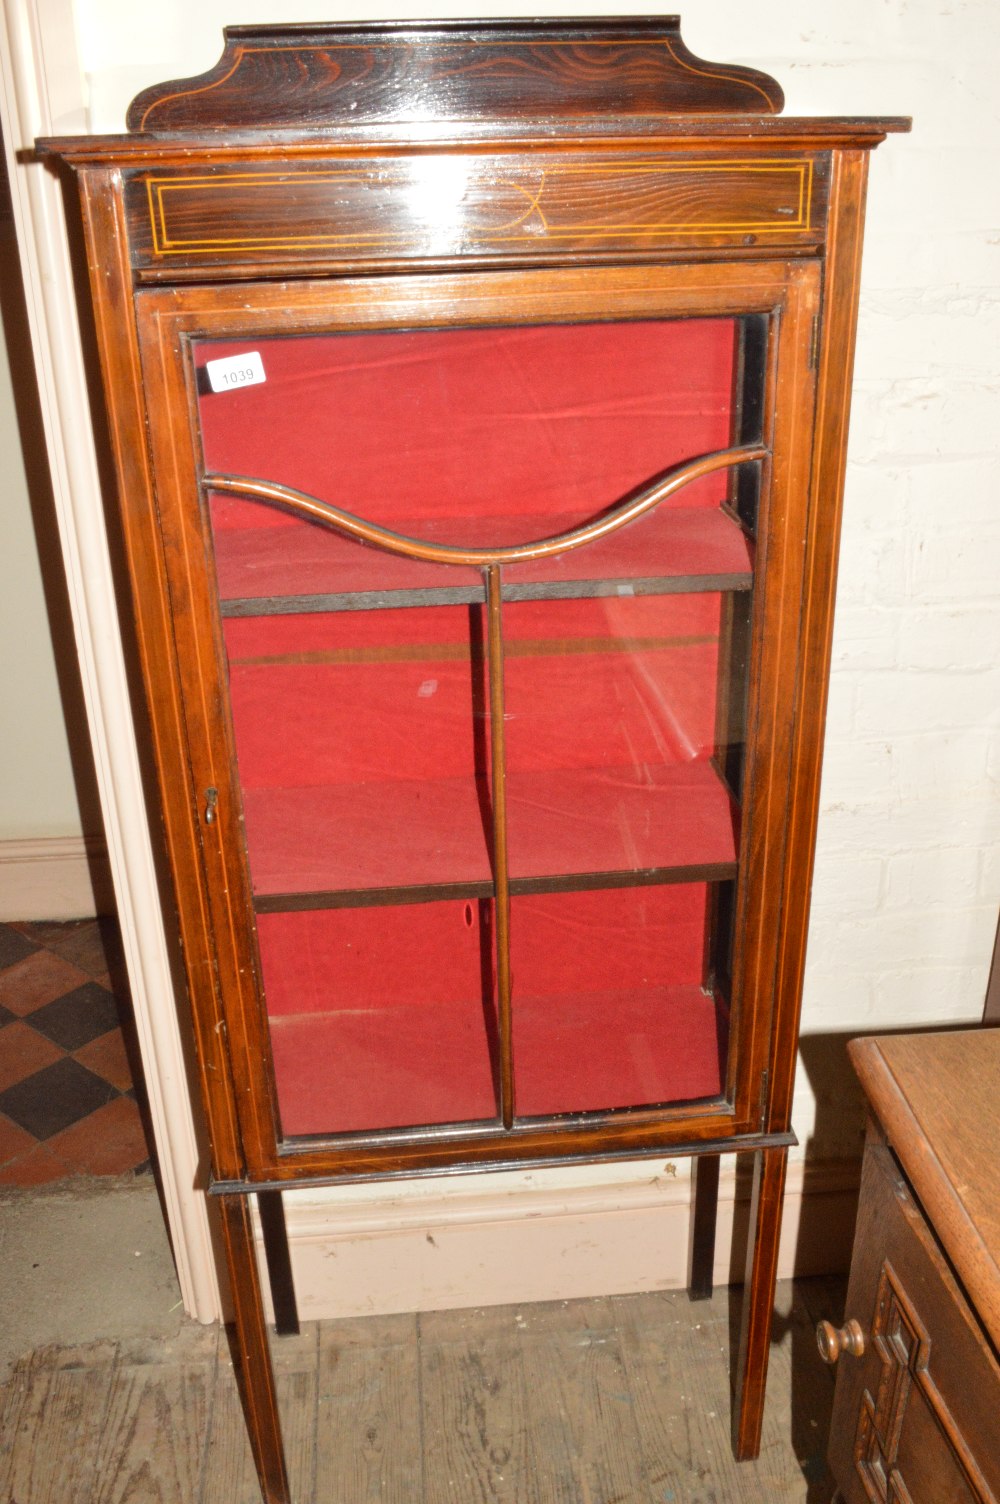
x: 446, y: 1249
x: 57, y: 877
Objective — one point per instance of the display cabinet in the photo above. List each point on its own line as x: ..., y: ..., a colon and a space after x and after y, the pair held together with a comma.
x: 478, y: 399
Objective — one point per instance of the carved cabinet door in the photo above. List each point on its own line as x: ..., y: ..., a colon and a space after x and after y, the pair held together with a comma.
x: 915, y: 1415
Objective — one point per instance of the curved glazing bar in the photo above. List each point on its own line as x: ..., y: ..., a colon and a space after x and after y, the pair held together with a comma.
x: 446, y: 553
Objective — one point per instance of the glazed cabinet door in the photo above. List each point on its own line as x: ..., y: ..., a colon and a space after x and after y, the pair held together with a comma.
x: 485, y: 592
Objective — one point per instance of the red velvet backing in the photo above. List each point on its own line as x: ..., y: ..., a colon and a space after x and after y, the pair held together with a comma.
x: 362, y: 742
x: 255, y: 558
x: 558, y: 419
x: 384, y: 1017
x: 362, y: 737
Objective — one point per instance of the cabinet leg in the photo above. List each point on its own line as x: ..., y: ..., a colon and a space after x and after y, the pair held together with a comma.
x: 758, y: 1301
x: 279, y: 1263
x: 705, y: 1172
x: 255, y: 1373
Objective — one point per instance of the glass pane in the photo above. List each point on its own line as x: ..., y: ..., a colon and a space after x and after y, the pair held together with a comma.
x: 609, y: 1005
x: 361, y: 747
x: 485, y: 437
x: 610, y: 714
x: 381, y: 1017
x: 360, y: 741
x: 615, y: 779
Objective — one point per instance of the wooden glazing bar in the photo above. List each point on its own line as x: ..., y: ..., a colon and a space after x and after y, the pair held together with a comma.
x: 517, y: 887
x: 501, y: 876
x: 636, y: 506
x: 549, y: 590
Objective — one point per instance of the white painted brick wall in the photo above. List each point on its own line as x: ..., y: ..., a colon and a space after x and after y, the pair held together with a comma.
x: 908, y: 876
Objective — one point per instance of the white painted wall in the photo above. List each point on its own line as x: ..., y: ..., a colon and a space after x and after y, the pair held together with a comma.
x: 908, y: 874
x: 37, y: 793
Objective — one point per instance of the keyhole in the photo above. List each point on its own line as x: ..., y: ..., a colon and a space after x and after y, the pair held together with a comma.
x: 468, y: 915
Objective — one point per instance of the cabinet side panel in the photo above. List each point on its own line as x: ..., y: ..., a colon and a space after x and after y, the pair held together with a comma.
x: 835, y: 359
x: 107, y: 249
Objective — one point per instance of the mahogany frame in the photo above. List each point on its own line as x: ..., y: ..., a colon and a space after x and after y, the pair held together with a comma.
x: 656, y: 184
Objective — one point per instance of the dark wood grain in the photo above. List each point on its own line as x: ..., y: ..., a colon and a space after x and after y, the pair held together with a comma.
x: 758, y: 1301
x: 434, y: 208
x: 403, y: 71
x: 253, y: 1359
x: 151, y: 612
x: 918, y: 1409
x: 169, y: 318
x: 705, y: 1174
x: 823, y: 474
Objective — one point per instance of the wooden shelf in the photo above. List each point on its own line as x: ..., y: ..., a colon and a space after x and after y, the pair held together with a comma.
x: 356, y: 845
x: 597, y: 1051
x: 293, y: 566
x: 434, y: 1066
x: 588, y: 1052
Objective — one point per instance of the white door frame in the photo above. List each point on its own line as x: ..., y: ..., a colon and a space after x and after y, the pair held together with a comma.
x: 41, y: 93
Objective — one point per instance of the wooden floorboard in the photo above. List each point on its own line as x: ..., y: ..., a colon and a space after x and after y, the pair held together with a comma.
x: 585, y: 1440
x: 50, y: 1453
x: 474, y: 1405
x: 623, y: 1400
x: 368, y: 1435
x: 152, y: 1442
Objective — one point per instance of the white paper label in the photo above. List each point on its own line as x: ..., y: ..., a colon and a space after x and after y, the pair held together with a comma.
x: 235, y: 371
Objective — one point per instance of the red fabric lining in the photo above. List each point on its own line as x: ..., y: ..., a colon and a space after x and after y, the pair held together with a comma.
x: 345, y: 1073
x: 426, y: 955
x: 375, y: 835
x: 386, y: 958
x: 590, y: 1051
x: 379, y: 1019
x: 355, y: 697
x: 297, y: 557
x: 560, y: 419
x: 371, y: 772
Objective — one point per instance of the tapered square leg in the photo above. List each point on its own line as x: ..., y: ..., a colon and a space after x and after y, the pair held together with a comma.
x: 705, y: 1173
x: 758, y: 1301
x: 256, y: 1375
x: 279, y: 1263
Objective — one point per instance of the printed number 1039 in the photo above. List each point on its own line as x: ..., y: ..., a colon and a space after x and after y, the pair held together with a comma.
x: 234, y: 371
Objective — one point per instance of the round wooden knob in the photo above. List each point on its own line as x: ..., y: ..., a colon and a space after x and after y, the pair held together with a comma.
x: 832, y: 1342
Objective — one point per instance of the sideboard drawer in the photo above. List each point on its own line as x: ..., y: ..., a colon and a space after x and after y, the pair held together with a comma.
x: 915, y: 1416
